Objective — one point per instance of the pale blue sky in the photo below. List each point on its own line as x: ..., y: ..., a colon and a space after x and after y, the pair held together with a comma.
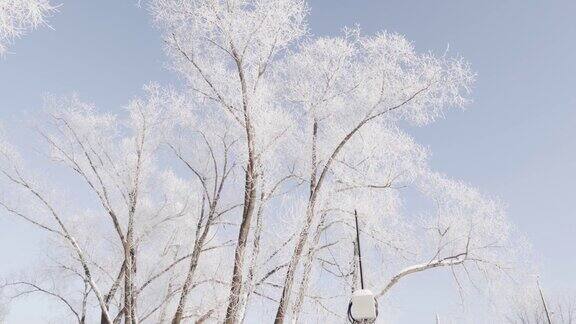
x: 516, y: 141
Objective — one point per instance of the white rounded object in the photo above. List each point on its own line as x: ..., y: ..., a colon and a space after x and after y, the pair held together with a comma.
x: 363, y: 305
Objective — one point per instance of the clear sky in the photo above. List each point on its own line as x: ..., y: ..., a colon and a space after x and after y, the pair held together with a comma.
x: 516, y: 141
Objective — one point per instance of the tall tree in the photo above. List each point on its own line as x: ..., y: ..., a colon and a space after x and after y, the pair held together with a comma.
x: 225, y: 49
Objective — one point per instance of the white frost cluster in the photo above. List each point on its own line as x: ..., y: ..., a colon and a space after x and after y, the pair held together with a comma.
x: 17, y: 17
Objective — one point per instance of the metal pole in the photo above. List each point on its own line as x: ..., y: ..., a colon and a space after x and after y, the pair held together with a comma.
x: 544, y: 302
x: 359, y: 250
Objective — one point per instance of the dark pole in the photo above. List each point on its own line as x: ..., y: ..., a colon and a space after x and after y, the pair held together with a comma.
x: 359, y: 250
x: 544, y: 302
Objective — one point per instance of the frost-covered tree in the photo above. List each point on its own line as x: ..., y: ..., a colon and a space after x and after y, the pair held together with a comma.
x: 17, y: 17
x: 323, y: 121
x: 117, y: 249
x: 233, y: 200
x: 226, y: 49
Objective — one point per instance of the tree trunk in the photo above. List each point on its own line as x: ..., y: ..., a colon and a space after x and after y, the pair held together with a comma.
x: 177, y: 319
x: 253, y: 260
x: 292, y: 266
x: 133, y: 284
x: 236, y: 286
x: 249, y: 198
x: 129, y: 271
x: 128, y: 283
x: 311, y: 253
x: 112, y: 292
x: 303, y: 237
